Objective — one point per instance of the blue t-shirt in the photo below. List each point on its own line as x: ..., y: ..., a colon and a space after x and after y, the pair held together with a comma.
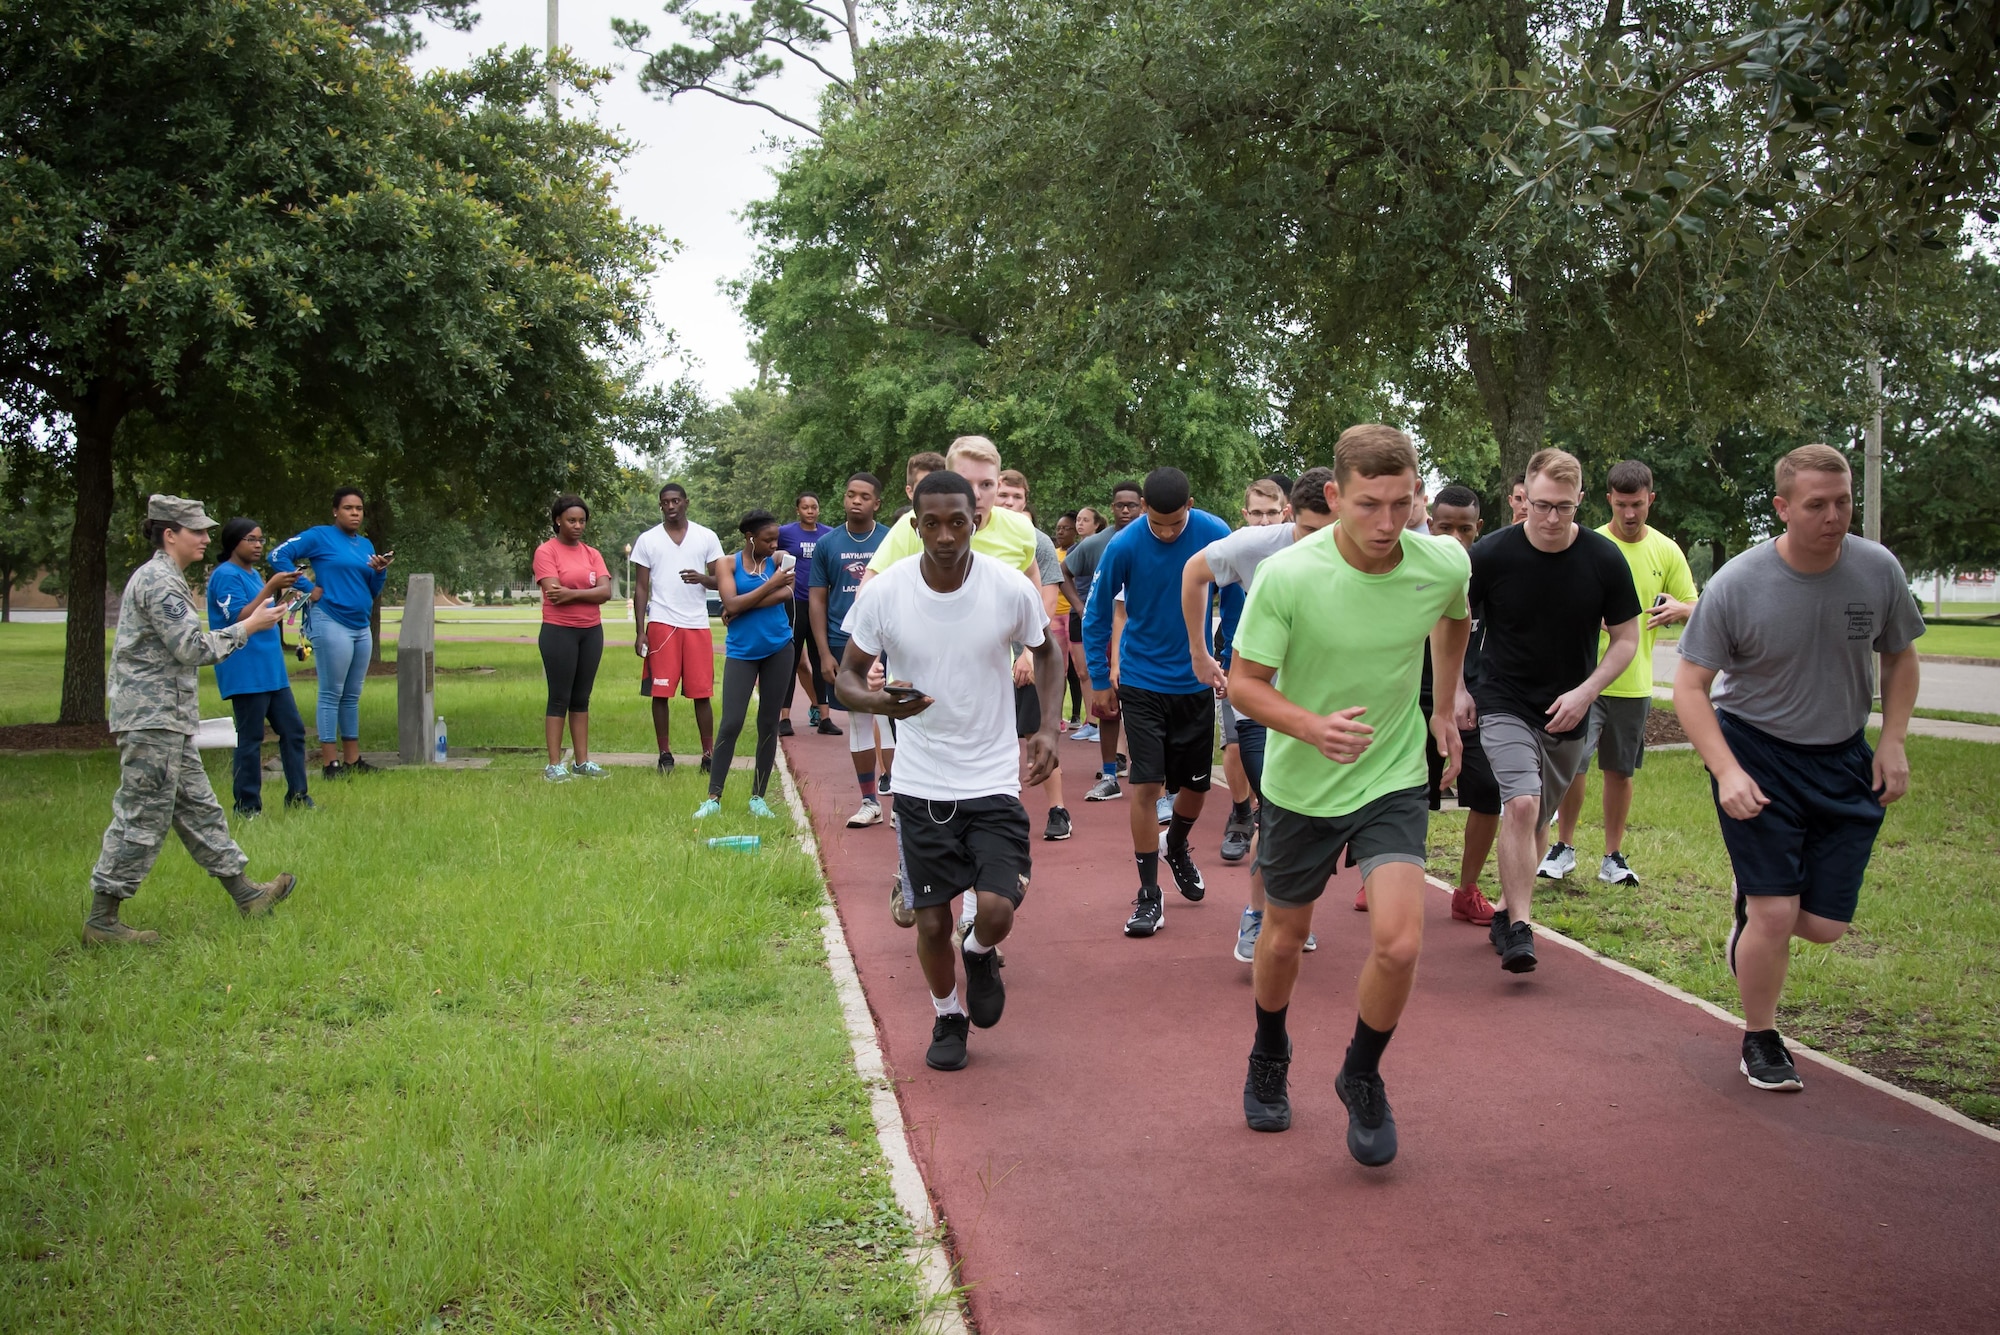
x: 838, y: 564
x: 795, y: 539
x: 759, y: 633
x: 339, y: 566
x: 1153, y: 656
x: 260, y: 664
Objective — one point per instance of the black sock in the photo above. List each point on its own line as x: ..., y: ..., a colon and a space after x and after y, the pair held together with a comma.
x: 1149, y: 870
x: 1240, y: 811
x: 1177, y: 832
x: 1364, y: 1054
x: 1271, y: 1040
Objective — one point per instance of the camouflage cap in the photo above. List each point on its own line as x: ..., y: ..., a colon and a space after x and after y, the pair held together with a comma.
x: 176, y: 510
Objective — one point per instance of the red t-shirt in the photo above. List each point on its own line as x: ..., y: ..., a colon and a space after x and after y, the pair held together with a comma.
x: 578, y: 567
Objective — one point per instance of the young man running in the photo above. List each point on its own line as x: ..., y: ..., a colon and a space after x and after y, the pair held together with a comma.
x: 1267, y: 503
x: 1169, y: 712
x: 1233, y: 562
x: 1455, y: 515
x: 799, y: 539
x: 1329, y: 657
x: 1544, y: 587
x: 1792, y: 626
x: 839, y: 561
x: 674, y: 564
x: 1081, y: 566
x: 1665, y: 586
x: 946, y: 621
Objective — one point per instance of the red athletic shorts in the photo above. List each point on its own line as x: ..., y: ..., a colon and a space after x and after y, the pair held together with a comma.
x: 677, y: 657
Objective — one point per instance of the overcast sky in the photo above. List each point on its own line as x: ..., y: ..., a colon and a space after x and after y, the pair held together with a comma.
x: 699, y: 161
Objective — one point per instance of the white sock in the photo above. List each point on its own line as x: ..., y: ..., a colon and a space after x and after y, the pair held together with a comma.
x: 970, y: 910
x: 948, y: 1005
x: 972, y: 946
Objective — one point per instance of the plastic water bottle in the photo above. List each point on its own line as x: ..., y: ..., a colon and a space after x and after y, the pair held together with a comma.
x: 441, y: 750
x: 742, y: 843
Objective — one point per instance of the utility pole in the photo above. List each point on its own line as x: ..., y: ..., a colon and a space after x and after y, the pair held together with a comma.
x: 1871, y: 468
x: 554, y: 100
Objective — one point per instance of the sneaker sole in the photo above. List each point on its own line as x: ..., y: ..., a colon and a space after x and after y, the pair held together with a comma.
x: 1048, y: 838
x: 1264, y: 1119
x: 1241, y: 958
x: 1782, y: 1086
x: 853, y: 824
x: 1158, y: 923
x: 1107, y: 797
x: 1518, y: 961
x: 1228, y: 857
x: 937, y: 1065
x: 1544, y: 874
x: 1627, y: 879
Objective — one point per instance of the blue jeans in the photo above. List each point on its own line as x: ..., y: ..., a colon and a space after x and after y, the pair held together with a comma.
x: 342, y: 653
x: 252, y: 708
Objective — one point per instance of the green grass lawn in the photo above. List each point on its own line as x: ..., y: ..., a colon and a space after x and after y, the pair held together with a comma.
x: 1912, y: 994
x: 1961, y: 641
x: 515, y: 1057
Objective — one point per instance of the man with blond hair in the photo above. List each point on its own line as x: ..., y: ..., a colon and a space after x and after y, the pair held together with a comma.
x: 1792, y: 627
x: 1003, y: 535
x: 1329, y: 657
x: 1545, y: 586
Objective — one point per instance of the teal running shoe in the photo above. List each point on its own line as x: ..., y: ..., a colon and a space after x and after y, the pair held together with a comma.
x: 589, y: 769
x: 711, y: 807
x: 555, y: 774
x: 759, y: 807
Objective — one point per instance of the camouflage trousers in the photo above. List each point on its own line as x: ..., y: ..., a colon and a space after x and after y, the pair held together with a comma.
x: 161, y: 785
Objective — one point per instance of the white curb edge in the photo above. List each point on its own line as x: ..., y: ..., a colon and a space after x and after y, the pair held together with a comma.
x: 1915, y: 1100
x: 942, y: 1314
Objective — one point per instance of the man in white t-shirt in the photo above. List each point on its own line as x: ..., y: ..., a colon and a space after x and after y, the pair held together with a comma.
x: 674, y: 564
x: 945, y: 622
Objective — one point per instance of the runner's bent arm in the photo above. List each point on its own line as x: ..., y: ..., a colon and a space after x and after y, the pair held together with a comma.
x: 1049, y: 683
x: 1195, y: 579
x: 1339, y: 736
x: 850, y: 687
x: 1735, y: 791
x: 1899, y: 697
x: 1570, y: 707
x: 1448, y: 641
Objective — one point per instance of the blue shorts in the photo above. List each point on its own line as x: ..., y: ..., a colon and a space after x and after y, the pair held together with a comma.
x: 1815, y: 838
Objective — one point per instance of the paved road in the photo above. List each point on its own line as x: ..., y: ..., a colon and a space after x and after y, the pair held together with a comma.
x: 1944, y: 686
x: 1579, y: 1152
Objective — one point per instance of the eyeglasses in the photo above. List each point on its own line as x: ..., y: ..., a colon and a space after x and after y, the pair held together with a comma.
x: 1546, y: 509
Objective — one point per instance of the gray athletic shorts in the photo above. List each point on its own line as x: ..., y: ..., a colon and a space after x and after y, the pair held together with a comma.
x: 1619, y: 726
x: 1528, y: 762
x: 1228, y: 721
x: 1299, y: 854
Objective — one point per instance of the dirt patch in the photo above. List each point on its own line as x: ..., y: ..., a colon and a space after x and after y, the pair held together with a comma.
x: 56, y: 737
x: 1663, y: 727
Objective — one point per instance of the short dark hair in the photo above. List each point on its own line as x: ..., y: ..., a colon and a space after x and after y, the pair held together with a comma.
x: 1459, y: 496
x: 342, y: 493
x: 943, y: 482
x: 1166, y: 490
x: 1285, y: 484
x: 753, y: 520
x: 1128, y: 485
x: 562, y: 503
x: 1067, y: 514
x: 924, y: 461
x: 1520, y: 480
x: 1309, y: 492
x: 673, y: 486
x: 869, y: 478
x: 803, y: 495
x: 1629, y: 477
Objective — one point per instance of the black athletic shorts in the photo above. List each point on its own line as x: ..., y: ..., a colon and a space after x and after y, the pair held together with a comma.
x: 1171, y: 738
x: 946, y: 847
x: 1478, y: 790
x: 1299, y: 854
x: 1815, y: 838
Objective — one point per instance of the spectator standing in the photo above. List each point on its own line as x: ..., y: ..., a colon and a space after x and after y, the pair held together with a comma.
x: 347, y: 578
x: 756, y: 588
x: 799, y: 540
x: 575, y: 586
x: 253, y: 679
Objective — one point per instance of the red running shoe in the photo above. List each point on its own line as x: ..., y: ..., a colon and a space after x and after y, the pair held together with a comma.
x: 1361, y: 900
x: 1468, y: 905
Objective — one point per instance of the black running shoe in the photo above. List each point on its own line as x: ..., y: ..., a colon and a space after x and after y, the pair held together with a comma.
x: 784, y: 727
x: 334, y: 771
x: 826, y: 727
x: 1058, y: 826
x: 985, y: 994
x: 1267, y: 1106
x: 1149, y: 914
x: 1519, y: 956
x: 665, y: 764
x: 1767, y: 1063
x: 363, y: 767
x: 1371, y: 1127
x: 1187, y: 876
x: 1496, y: 931
x: 1742, y: 913
x: 947, y: 1052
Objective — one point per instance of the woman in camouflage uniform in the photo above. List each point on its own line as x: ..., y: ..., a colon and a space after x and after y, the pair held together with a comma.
x: 154, y: 711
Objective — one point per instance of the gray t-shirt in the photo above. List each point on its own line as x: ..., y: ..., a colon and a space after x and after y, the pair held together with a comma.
x: 1234, y: 559
x: 1047, y: 565
x: 1795, y: 651
x: 1083, y: 558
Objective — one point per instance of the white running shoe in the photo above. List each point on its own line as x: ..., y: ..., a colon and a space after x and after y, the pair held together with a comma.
x: 1560, y: 862
x: 868, y: 813
x: 1617, y: 871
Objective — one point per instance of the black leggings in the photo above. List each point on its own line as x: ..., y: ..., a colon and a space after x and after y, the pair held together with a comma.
x: 570, y: 655
x: 773, y: 679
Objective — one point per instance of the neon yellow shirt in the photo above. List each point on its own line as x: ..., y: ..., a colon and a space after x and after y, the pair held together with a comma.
x: 1006, y: 536
x: 1658, y: 566
x: 1338, y: 638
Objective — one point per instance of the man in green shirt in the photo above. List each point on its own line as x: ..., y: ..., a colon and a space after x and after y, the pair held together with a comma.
x: 1665, y: 586
x: 1329, y: 657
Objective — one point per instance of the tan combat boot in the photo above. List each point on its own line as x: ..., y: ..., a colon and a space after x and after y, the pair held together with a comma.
x: 102, y: 927
x: 256, y: 898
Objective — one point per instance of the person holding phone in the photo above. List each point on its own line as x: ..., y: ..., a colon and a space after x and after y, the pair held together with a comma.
x: 253, y: 679
x: 756, y: 588
x: 575, y: 586
x: 347, y: 578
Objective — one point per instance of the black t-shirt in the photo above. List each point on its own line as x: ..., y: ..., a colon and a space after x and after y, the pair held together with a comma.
x: 1542, y: 612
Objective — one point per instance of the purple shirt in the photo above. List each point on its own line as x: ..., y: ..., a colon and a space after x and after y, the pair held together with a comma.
x: 799, y: 541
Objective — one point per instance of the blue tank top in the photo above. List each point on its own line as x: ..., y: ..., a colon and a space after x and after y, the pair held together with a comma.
x: 761, y: 633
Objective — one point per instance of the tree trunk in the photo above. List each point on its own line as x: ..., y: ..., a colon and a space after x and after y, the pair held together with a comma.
x: 97, y: 421
x: 1512, y: 372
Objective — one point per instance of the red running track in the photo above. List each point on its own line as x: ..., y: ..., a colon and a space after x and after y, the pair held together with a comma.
x: 1579, y: 1152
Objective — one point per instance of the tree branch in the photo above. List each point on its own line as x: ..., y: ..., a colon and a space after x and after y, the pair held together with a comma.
x: 812, y: 130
